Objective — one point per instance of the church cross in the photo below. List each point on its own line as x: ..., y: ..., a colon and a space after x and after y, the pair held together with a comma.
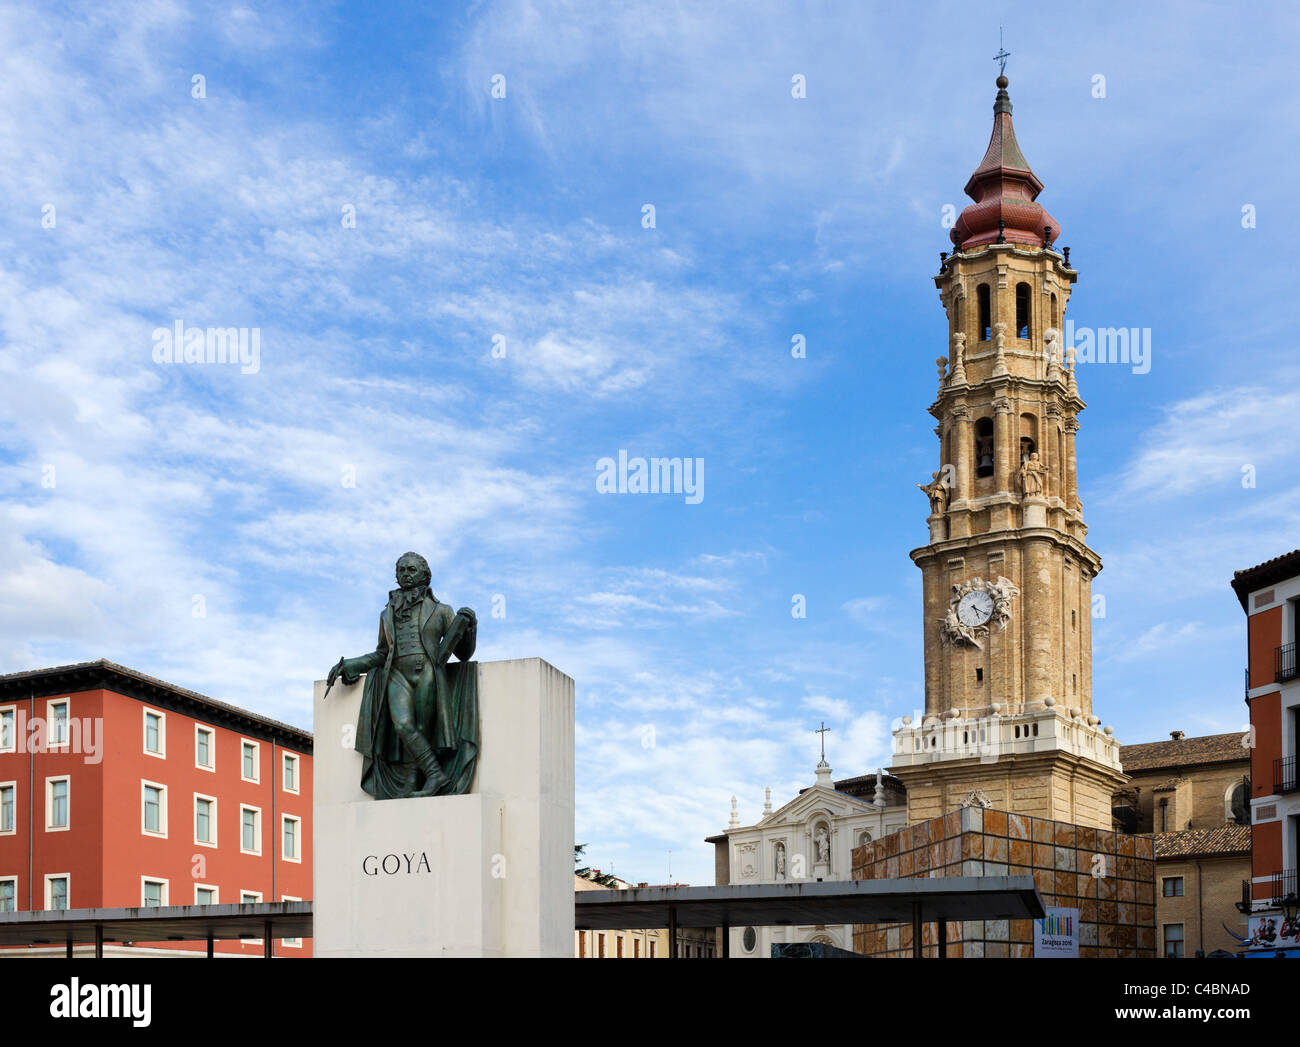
x: 1002, y: 55
x: 822, y: 731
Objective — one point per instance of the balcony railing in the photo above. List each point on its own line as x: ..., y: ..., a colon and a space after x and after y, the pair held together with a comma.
x: 1284, y: 885
x: 1284, y: 663
x: 1284, y: 776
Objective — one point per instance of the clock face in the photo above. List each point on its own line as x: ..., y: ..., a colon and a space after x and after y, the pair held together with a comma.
x: 975, y: 608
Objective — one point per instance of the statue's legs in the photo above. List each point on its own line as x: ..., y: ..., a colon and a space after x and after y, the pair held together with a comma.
x: 401, y: 707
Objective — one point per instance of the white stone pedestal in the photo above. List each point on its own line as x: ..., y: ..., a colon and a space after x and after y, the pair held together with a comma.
x: 1033, y: 510
x: 485, y: 874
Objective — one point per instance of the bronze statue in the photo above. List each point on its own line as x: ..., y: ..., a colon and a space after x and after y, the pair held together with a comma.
x: 417, y: 731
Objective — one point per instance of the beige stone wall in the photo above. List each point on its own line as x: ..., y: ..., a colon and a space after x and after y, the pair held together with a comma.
x: 1199, y: 801
x: 1043, y: 785
x: 1211, y: 889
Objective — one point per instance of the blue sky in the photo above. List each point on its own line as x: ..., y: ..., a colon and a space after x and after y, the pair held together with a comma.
x: 522, y: 217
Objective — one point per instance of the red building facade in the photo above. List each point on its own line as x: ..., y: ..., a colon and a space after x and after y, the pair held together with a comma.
x: 120, y: 790
x: 1270, y: 596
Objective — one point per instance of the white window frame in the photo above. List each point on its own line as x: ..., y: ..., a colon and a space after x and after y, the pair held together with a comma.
x: 216, y: 893
x: 249, y: 807
x: 291, y: 758
x: 162, y: 809
x: 49, y: 803
x: 250, y: 901
x: 257, y: 760
x: 14, y: 881
x: 166, y: 890
x: 147, y: 712
x: 212, y: 748
x: 297, y: 837
x: 12, y: 710
x: 58, y: 876
x: 50, y: 721
x: 290, y: 943
x: 14, y: 831
x: 212, y: 820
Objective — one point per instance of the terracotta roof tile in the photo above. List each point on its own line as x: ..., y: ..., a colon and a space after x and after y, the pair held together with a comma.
x: 1187, y: 843
x: 1186, y: 752
x: 1269, y: 572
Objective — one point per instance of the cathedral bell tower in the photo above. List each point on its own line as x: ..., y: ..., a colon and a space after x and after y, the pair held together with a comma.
x: 1007, y: 573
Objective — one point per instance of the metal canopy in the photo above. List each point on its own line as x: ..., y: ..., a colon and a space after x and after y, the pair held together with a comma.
x: 805, y: 903
x: 266, y: 920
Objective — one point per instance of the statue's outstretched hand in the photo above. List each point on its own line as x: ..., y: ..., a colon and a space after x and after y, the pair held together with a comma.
x: 333, y: 675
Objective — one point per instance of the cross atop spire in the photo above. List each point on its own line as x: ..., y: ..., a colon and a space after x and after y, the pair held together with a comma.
x: 823, y: 731
x: 1002, y: 55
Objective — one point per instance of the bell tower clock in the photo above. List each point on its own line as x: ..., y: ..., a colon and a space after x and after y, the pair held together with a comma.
x: 1007, y: 573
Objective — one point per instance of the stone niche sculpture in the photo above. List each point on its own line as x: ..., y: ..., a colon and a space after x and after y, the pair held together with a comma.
x: 418, y: 729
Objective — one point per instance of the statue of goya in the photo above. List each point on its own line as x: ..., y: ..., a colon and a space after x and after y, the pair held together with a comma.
x: 418, y: 731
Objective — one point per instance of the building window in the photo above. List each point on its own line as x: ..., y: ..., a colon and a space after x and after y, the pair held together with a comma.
x: 1022, y: 310
x: 205, y: 895
x: 153, y: 893
x: 1164, y: 815
x: 749, y: 940
x: 986, y: 313
x: 290, y: 775
x: 205, y: 820
x: 1239, y: 803
x: 155, y: 733
x: 984, y: 447
x: 57, y: 890
x: 204, y: 748
x: 154, y: 798
x: 290, y: 943
x: 57, y: 803
x: 9, y: 894
x: 1173, y: 941
x: 8, y: 806
x: 8, y: 731
x: 619, y: 954
x: 57, y: 718
x: 291, y: 833
x: 1056, y: 316
x: 582, y: 944
x: 250, y: 823
x: 601, y: 956
x: 652, y: 950
x: 251, y: 754
x: 250, y: 898
x: 636, y: 948
x: 1172, y: 886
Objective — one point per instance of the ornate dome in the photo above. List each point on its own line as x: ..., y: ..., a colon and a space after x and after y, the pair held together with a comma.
x: 1004, y: 189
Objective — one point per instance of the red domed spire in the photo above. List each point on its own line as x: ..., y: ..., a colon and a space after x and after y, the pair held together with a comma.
x: 1004, y: 189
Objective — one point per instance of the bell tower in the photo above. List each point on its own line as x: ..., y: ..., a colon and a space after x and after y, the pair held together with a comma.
x: 1007, y: 573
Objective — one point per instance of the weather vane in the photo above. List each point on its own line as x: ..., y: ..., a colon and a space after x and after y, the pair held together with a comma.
x: 1002, y: 55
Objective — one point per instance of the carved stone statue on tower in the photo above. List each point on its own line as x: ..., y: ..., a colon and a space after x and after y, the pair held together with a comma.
x: 1032, y: 476
x: 937, y: 491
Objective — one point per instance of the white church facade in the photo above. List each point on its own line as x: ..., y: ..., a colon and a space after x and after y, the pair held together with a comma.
x: 811, y: 838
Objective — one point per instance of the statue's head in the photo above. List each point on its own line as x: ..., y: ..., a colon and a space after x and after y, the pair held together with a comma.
x: 412, y: 570
x: 1033, y: 456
